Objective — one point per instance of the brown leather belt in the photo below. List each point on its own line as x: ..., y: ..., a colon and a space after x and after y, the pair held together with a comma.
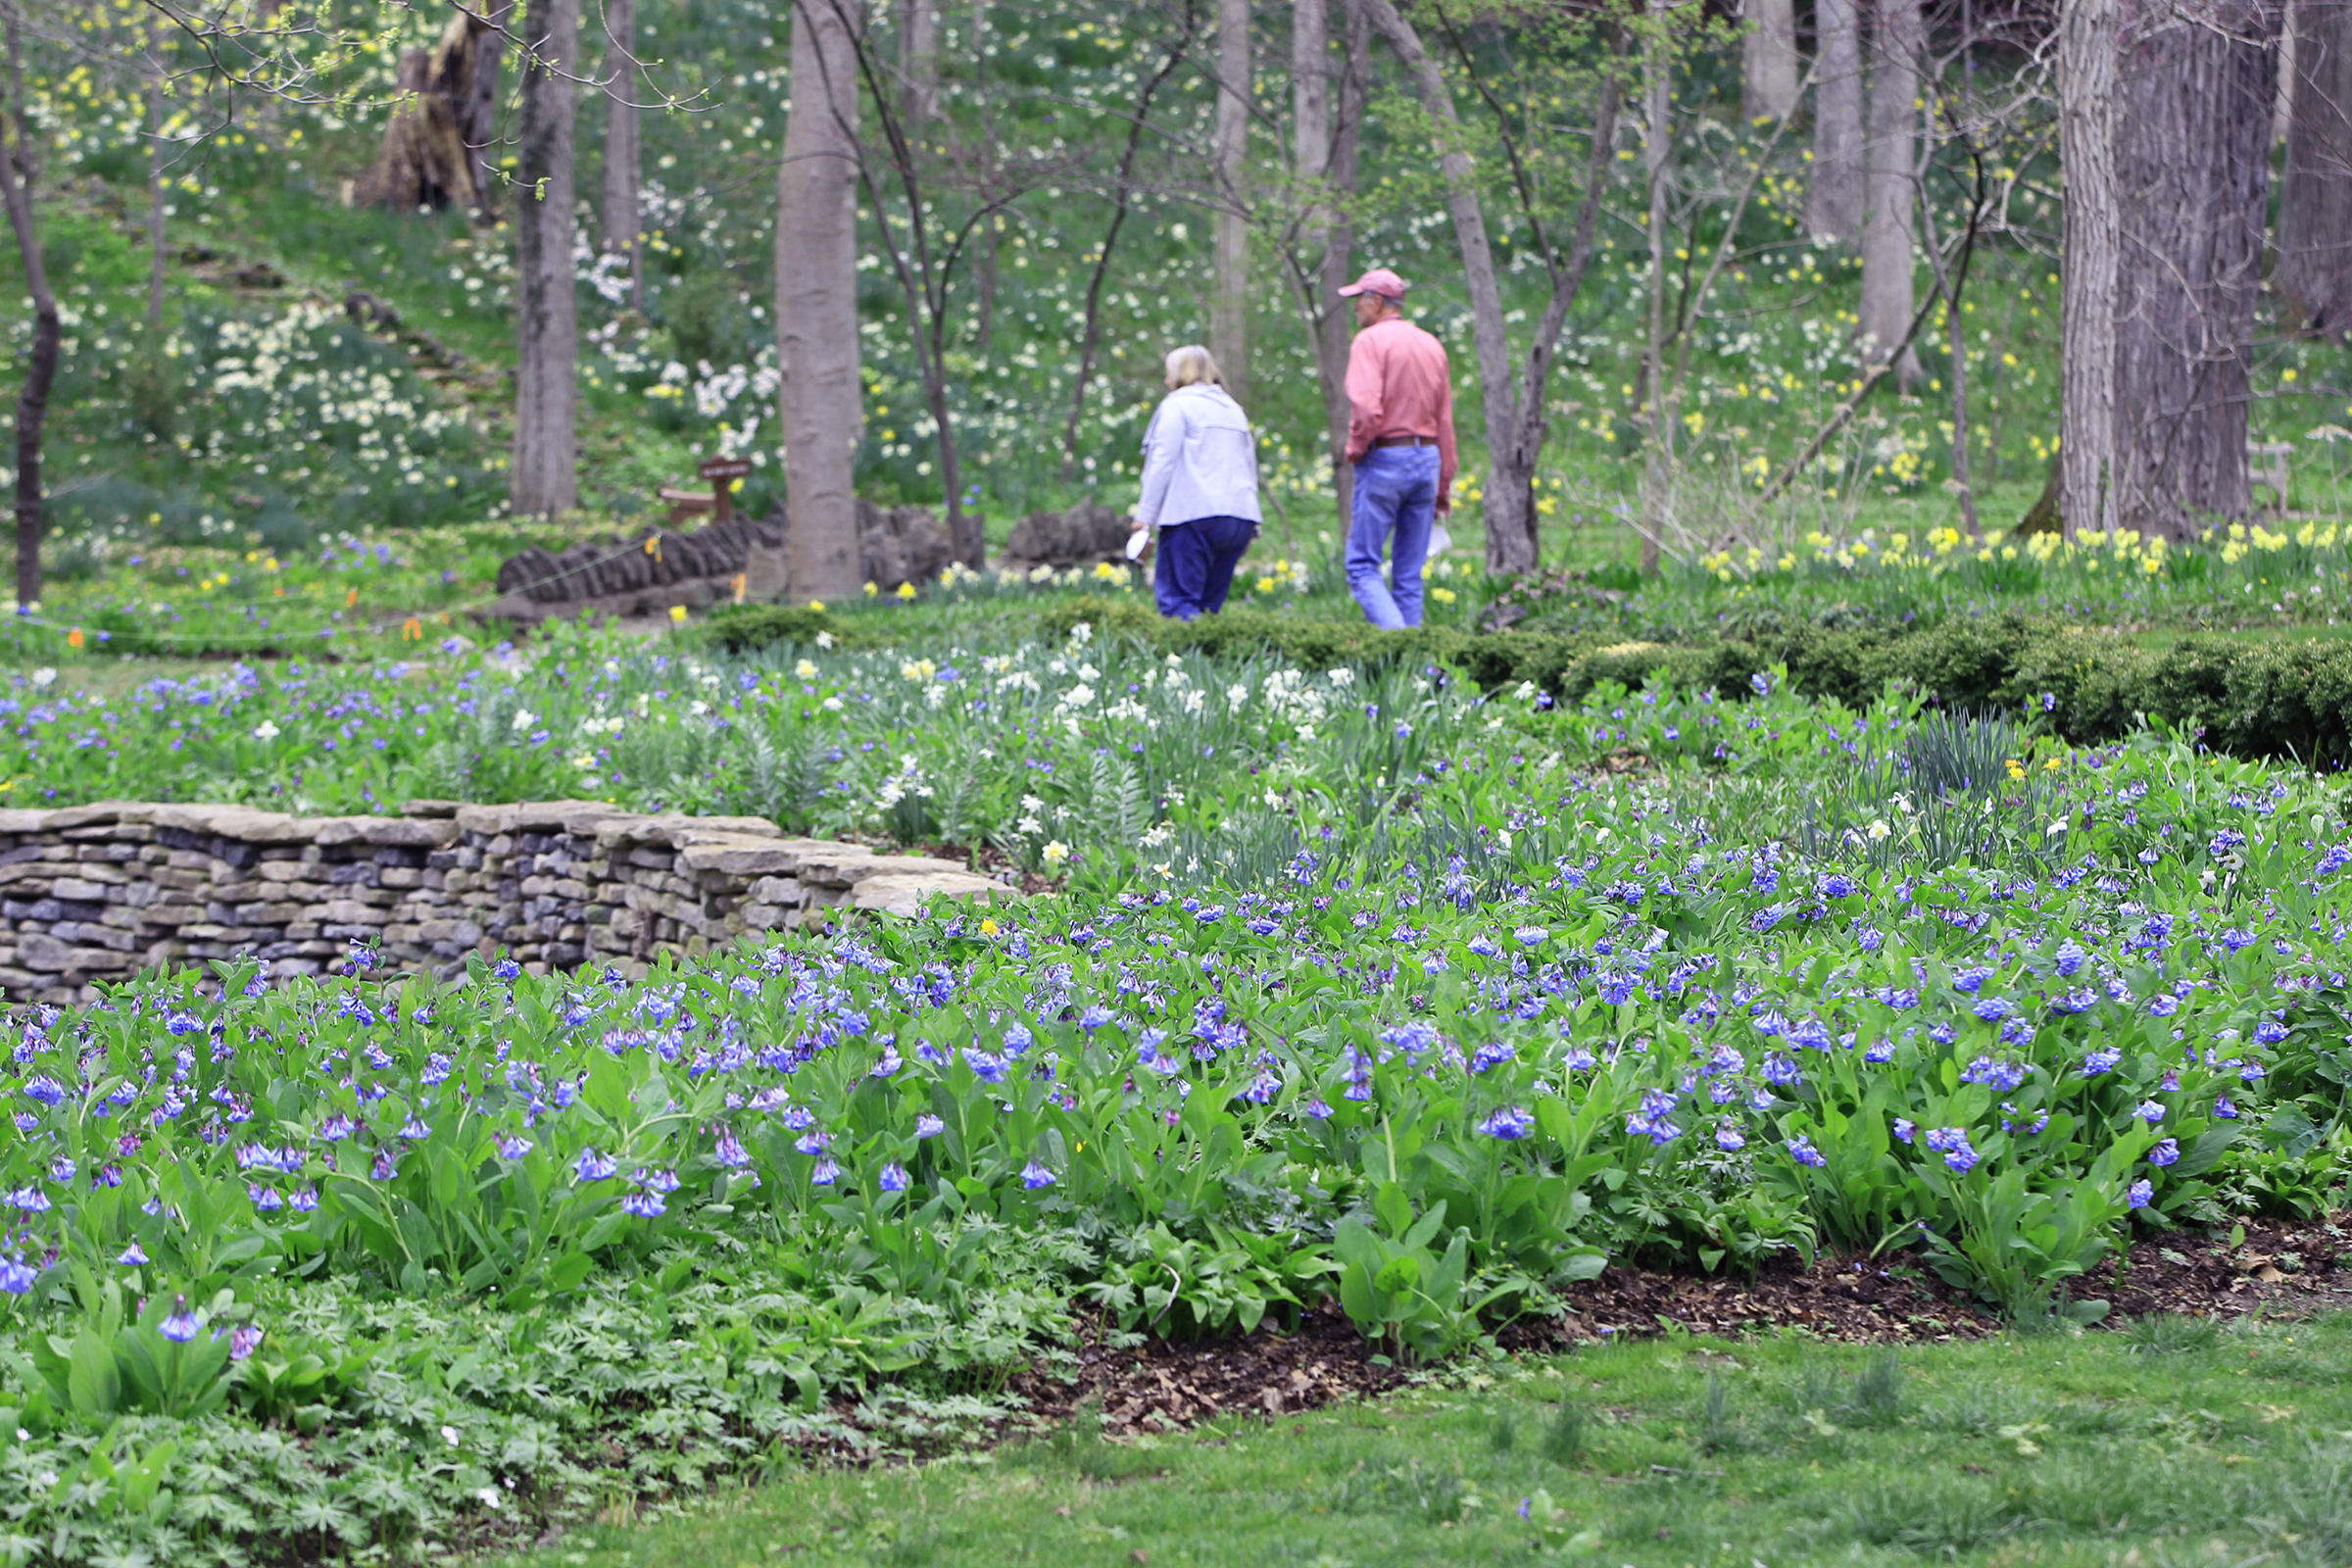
x: 1406, y: 441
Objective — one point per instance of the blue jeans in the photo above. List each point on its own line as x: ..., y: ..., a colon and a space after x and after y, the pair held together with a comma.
x: 1196, y: 565
x: 1396, y: 494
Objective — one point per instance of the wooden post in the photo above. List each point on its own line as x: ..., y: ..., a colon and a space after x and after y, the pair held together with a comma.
x: 724, y: 472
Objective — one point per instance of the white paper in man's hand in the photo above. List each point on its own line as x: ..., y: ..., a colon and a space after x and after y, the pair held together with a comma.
x: 1136, y: 542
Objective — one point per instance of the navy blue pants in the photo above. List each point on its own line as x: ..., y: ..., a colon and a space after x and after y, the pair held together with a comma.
x: 1196, y: 559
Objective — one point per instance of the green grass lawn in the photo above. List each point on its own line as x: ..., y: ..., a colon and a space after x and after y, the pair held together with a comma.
x: 2172, y: 1442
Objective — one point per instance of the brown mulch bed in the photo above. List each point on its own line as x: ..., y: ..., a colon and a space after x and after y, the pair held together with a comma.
x: 2280, y: 1269
x: 1162, y: 1385
x: 2283, y: 1269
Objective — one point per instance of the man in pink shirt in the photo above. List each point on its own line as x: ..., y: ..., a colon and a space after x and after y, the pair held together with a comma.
x: 1401, y: 439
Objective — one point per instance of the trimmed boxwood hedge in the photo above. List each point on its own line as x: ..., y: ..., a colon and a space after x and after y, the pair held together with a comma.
x: 2251, y: 697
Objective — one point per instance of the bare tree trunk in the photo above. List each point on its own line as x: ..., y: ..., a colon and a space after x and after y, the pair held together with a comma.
x: 2283, y: 101
x: 1311, y: 112
x: 2314, y: 275
x: 1891, y: 189
x: 822, y: 403
x: 1488, y: 337
x: 1339, y: 258
x: 2192, y: 167
x: 1228, y: 295
x: 1834, y: 203
x: 477, y: 120
x: 33, y: 401
x: 1122, y: 191
x: 622, y: 223
x: 1951, y: 282
x: 984, y: 305
x: 1324, y: 151
x: 1768, y: 74
x: 158, y: 250
x: 545, y: 478
x: 1967, y: 491
x: 984, y: 266
x: 2089, y: 44
x: 1511, y: 465
x: 918, y: 64
x: 1657, y: 156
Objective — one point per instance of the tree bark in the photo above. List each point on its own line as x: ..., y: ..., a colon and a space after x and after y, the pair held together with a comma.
x: 822, y: 401
x: 425, y: 161
x: 624, y: 167
x: 1333, y: 341
x: 1229, y: 297
x: 1834, y: 203
x: 157, y: 249
x: 2314, y: 275
x: 2192, y: 169
x: 40, y: 373
x: 1951, y: 282
x: 478, y: 117
x: 984, y: 304
x: 1487, y: 338
x: 2089, y: 44
x: 2283, y: 101
x: 1767, y: 75
x: 1658, y: 157
x: 1325, y: 153
x: 918, y: 64
x: 545, y: 478
x: 1311, y: 101
x: 1890, y: 189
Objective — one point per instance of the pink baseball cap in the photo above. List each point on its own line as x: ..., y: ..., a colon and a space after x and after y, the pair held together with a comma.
x: 1381, y: 281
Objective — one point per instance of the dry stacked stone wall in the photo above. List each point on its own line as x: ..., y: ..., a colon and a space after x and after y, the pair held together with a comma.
x: 90, y: 894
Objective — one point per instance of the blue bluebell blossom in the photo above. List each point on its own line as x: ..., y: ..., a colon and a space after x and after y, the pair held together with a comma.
x: 1509, y: 1123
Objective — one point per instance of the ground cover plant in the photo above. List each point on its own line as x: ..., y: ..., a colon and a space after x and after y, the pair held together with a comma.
x: 2181, y: 1441
x: 1365, y: 987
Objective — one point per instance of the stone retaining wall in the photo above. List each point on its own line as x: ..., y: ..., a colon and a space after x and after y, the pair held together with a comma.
x: 93, y: 892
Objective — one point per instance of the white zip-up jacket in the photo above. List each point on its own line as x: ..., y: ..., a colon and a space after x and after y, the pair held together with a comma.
x: 1200, y: 458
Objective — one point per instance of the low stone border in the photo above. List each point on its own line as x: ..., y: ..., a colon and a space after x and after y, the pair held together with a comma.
x: 91, y: 893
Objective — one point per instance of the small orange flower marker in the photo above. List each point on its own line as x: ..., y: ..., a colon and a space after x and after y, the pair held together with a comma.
x: 411, y: 630
x: 74, y: 638
x: 350, y: 598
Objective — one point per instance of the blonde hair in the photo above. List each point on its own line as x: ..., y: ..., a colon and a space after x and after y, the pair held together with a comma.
x: 1191, y: 364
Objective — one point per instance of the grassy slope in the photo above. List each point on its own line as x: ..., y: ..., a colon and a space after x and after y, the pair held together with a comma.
x: 2174, y: 1441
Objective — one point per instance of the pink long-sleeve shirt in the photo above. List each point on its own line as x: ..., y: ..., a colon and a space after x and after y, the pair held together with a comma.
x: 1399, y: 383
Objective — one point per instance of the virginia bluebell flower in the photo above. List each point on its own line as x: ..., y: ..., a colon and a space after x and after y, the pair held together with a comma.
x: 1509, y: 1123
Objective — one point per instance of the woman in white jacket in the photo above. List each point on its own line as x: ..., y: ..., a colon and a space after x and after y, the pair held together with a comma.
x: 1200, y: 485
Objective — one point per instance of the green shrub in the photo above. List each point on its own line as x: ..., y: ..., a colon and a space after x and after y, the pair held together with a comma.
x: 2249, y: 698
x: 743, y: 628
